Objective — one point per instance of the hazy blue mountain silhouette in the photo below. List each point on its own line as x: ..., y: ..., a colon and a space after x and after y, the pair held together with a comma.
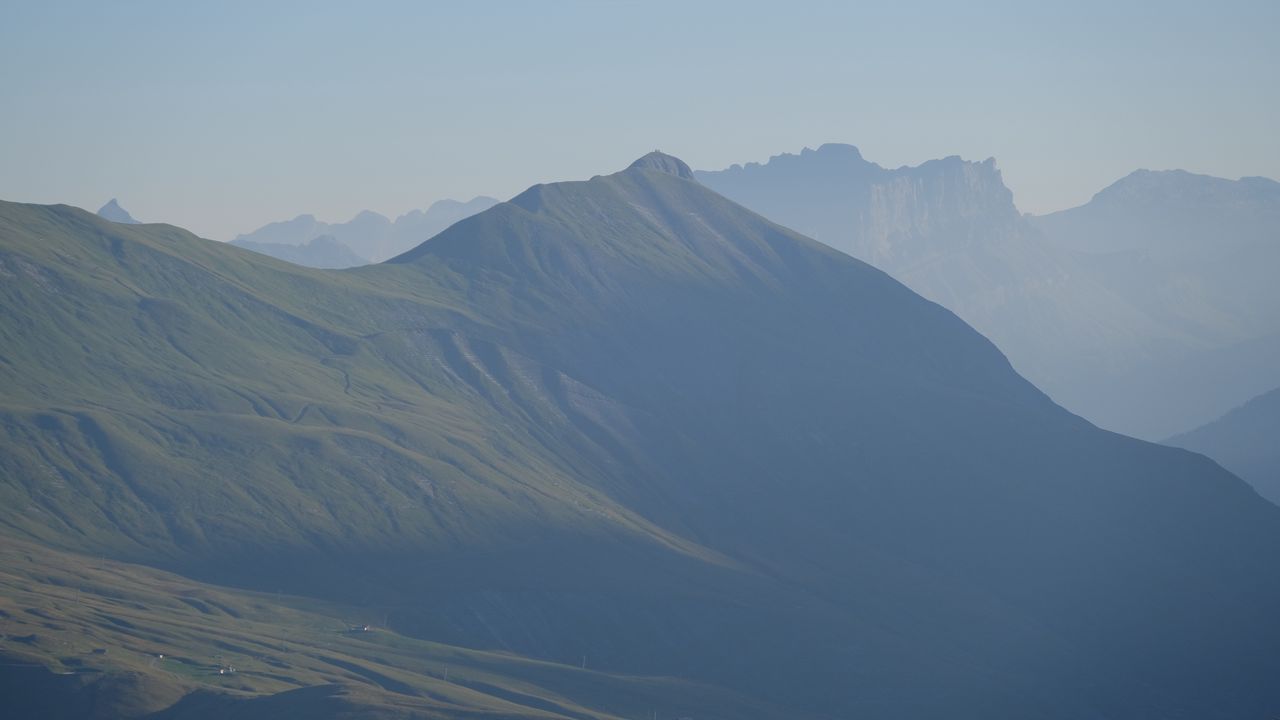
x: 1198, y: 253
x: 1172, y: 211
x: 368, y: 235
x: 323, y: 251
x: 1126, y: 339
x: 1245, y: 441
x: 631, y: 419
x: 113, y: 212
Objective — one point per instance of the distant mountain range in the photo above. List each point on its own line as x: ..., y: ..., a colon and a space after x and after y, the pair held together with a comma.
x: 1245, y: 441
x: 368, y: 237
x: 113, y: 212
x: 1149, y: 310
x: 629, y: 442
x: 322, y: 251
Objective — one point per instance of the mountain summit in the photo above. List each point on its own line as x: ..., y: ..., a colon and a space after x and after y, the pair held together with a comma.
x: 113, y: 212
x: 658, y: 160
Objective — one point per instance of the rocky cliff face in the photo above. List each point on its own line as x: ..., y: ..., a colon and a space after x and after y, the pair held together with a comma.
x: 921, y: 210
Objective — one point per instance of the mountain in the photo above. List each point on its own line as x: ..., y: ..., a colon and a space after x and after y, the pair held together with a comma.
x: 622, y: 425
x: 949, y: 230
x: 367, y: 235
x: 1173, y: 212
x: 1245, y: 441
x: 414, y: 227
x: 113, y: 212
x: 1198, y: 253
x: 1122, y: 338
x: 323, y: 251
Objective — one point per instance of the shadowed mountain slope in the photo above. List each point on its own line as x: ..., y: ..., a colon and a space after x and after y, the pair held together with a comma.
x: 628, y: 419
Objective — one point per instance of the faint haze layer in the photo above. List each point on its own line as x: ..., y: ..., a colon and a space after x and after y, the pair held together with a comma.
x: 225, y: 117
x: 1151, y: 309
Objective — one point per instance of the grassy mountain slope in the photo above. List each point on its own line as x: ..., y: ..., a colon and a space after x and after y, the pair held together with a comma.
x: 629, y: 419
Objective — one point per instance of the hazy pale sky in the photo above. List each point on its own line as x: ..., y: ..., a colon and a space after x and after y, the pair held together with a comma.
x: 222, y: 116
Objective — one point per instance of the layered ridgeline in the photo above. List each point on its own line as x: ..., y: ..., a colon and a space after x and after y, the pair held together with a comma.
x: 1245, y: 441
x: 322, y: 251
x: 368, y: 237
x: 1199, y: 254
x: 1139, y: 335
x: 629, y: 425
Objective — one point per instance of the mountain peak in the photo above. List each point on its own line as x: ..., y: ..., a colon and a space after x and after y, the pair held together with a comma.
x: 836, y: 149
x: 1183, y: 189
x: 657, y: 160
x: 370, y: 217
x: 113, y: 212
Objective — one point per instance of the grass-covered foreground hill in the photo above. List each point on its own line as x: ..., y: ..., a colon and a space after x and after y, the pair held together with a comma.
x: 85, y: 637
x: 622, y: 424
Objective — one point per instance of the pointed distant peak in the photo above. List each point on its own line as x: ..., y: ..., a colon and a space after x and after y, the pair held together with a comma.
x: 113, y: 212
x: 657, y: 160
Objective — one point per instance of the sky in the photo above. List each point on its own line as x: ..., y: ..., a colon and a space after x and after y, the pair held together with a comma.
x: 221, y: 117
